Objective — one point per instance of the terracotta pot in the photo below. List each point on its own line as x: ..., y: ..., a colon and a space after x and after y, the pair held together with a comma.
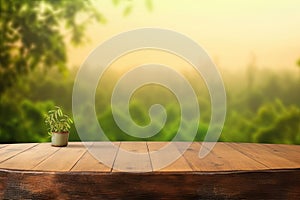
x: 60, y: 139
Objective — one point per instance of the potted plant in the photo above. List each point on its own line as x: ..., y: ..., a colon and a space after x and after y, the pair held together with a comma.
x: 59, y: 125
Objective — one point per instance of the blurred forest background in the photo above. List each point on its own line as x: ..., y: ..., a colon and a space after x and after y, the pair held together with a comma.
x: 263, y: 105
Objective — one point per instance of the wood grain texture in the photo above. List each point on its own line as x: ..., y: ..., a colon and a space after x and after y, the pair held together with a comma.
x: 105, y: 152
x: 133, y: 157
x: 3, y: 145
x: 27, y: 160
x: 229, y: 171
x: 289, y: 152
x: 160, y: 157
x: 221, y: 158
x: 276, y: 184
x: 88, y: 163
x: 262, y: 154
x: 63, y: 159
x: 13, y: 149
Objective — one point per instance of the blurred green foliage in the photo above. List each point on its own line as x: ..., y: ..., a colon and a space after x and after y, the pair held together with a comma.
x: 33, y: 34
x: 269, y: 112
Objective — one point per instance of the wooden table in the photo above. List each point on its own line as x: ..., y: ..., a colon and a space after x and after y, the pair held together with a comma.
x: 230, y: 171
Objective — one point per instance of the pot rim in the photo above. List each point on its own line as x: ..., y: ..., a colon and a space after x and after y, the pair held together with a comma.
x: 65, y: 132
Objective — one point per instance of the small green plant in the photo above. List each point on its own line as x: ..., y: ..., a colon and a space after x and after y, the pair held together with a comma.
x: 57, y: 121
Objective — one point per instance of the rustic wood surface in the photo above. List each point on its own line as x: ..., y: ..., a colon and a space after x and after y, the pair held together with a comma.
x: 229, y: 171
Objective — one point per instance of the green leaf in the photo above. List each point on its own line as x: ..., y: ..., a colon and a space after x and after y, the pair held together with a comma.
x: 59, y: 111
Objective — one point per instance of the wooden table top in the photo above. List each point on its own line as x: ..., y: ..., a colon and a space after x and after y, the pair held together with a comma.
x: 229, y: 171
x: 223, y: 158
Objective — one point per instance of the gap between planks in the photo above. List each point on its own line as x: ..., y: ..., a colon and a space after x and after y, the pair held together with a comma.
x: 88, y: 163
x: 264, y: 155
x: 223, y: 157
x: 63, y: 159
x: 11, y: 150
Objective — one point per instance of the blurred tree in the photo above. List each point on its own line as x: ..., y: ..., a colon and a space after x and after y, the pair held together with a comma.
x: 251, y: 71
x: 32, y: 34
x: 298, y: 62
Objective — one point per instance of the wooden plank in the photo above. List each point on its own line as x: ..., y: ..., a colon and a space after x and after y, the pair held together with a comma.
x: 289, y: 152
x: 262, y: 154
x: 224, y: 157
x: 105, y: 152
x: 191, y: 155
x: 29, y: 159
x: 14, y: 149
x: 287, y: 147
x: 218, y: 178
x: 162, y: 157
x: 266, y: 184
x: 132, y: 157
x: 90, y: 162
x: 63, y: 159
x: 3, y: 145
x: 221, y: 158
